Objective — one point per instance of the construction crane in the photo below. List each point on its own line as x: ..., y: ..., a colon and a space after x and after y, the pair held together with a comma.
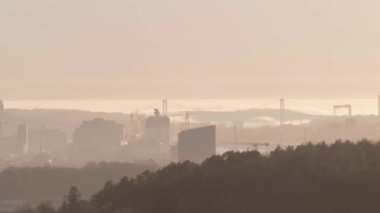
x: 185, y: 114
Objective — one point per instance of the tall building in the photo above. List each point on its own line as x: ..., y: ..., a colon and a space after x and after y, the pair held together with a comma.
x: 157, y: 130
x: 197, y: 145
x: 99, y: 133
x: 97, y: 140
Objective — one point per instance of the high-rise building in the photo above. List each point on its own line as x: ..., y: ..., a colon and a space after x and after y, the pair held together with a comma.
x: 97, y: 139
x: 197, y: 145
x: 99, y: 133
x: 157, y: 130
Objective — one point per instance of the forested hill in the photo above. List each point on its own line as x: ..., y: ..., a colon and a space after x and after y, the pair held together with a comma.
x: 341, y: 178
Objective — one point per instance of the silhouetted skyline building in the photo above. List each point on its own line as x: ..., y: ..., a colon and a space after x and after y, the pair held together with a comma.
x: 99, y: 132
x: 197, y: 145
x: 97, y: 139
x: 157, y: 130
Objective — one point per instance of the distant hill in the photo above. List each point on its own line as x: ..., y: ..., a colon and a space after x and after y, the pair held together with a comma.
x: 241, y: 116
x: 68, y: 120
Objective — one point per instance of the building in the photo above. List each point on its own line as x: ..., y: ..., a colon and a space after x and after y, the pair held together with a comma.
x: 157, y: 130
x: 99, y: 133
x: 97, y: 140
x: 197, y: 145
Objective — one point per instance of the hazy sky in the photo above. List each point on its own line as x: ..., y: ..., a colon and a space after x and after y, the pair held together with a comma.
x: 189, y: 49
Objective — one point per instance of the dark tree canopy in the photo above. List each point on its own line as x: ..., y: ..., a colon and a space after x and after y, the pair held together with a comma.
x: 339, y: 178
x: 72, y: 202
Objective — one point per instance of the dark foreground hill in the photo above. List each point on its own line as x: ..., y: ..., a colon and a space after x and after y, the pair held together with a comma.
x: 341, y: 178
x: 45, y: 183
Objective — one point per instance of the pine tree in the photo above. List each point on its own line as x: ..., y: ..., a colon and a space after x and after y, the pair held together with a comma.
x: 72, y: 202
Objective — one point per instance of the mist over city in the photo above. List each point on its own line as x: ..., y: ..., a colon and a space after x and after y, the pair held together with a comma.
x: 176, y: 106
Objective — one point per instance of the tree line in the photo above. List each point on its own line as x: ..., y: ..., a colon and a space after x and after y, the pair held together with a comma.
x: 313, y: 178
